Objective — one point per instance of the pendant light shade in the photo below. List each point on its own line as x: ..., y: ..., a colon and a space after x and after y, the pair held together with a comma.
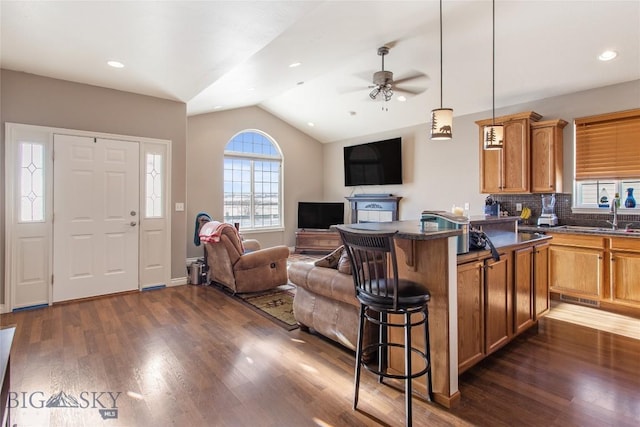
x: 493, y: 137
x: 494, y: 134
x: 441, y: 123
x: 441, y: 118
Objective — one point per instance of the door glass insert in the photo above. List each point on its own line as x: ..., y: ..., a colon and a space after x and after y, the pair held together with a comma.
x: 153, y: 193
x: 31, y: 182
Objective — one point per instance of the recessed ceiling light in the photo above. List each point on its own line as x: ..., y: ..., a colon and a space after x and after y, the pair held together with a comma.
x: 217, y: 107
x: 295, y: 64
x: 607, y: 55
x: 251, y: 89
x: 311, y: 124
x: 115, y: 64
x: 300, y: 83
x: 402, y: 98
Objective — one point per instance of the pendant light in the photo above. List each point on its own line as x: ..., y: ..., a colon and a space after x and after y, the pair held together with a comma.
x: 441, y: 118
x: 494, y: 134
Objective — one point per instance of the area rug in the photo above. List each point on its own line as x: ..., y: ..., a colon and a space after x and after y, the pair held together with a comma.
x: 275, y: 304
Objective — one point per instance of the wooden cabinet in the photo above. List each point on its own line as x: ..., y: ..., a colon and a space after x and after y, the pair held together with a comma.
x: 546, y: 156
x: 498, y: 299
x: 523, y: 314
x: 576, y: 265
x: 541, y: 280
x: 507, y: 170
x: 498, y: 284
x: 625, y: 271
x: 470, y: 314
x: 317, y: 241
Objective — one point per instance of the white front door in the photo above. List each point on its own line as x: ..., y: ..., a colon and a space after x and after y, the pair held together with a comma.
x: 96, y: 216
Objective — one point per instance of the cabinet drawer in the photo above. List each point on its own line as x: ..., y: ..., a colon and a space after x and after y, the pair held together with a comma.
x: 582, y: 240
x: 625, y: 243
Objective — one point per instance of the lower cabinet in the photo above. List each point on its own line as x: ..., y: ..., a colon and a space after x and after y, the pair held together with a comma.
x: 523, y: 296
x: 576, y: 265
x: 625, y: 271
x: 541, y: 280
x: 470, y: 314
x: 499, y: 299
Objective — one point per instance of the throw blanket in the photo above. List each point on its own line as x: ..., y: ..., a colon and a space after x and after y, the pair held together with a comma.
x: 202, y: 216
x: 212, y: 231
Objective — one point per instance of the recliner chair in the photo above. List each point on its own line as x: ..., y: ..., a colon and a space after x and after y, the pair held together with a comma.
x: 242, y: 272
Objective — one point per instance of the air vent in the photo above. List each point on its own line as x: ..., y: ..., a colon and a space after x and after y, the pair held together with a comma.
x: 582, y: 301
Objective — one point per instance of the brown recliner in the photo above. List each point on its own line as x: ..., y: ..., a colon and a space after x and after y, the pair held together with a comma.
x: 242, y: 272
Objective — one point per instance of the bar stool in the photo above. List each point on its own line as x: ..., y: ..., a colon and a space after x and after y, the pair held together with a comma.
x: 381, y: 293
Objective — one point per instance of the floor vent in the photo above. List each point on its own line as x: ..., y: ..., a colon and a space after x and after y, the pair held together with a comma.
x: 577, y: 300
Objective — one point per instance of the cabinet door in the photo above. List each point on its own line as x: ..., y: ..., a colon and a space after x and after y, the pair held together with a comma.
x: 498, y: 282
x: 470, y: 314
x: 523, y: 289
x: 541, y: 279
x: 625, y: 277
x: 542, y: 161
x: 515, y: 157
x: 576, y: 270
x: 490, y: 169
x: 546, y: 156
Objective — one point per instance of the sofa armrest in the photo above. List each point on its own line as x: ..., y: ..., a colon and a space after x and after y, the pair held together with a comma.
x: 262, y: 257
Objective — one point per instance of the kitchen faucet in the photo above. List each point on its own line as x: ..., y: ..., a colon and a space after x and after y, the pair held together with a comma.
x: 614, y: 211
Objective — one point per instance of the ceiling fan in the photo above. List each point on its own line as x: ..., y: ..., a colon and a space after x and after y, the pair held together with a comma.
x: 384, y: 84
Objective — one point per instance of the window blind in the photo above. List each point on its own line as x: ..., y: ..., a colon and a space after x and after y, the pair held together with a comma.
x: 608, y: 146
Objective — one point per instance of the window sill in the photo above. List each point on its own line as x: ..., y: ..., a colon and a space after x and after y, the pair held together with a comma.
x: 247, y: 231
x: 605, y: 211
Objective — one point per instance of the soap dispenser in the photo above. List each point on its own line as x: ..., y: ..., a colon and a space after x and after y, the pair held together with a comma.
x: 603, y: 202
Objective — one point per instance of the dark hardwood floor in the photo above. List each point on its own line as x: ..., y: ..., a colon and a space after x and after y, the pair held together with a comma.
x: 190, y: 356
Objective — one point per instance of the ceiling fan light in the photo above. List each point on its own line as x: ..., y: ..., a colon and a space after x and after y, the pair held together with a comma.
x: 493, y: 137
x: 441, y: 124
x: 374, y: 92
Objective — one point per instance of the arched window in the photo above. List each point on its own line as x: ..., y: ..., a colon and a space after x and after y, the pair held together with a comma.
x: 253, y: 181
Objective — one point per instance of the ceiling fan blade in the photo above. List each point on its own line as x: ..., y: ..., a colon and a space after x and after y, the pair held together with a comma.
x: 410, y: 91
x: 414, y: 76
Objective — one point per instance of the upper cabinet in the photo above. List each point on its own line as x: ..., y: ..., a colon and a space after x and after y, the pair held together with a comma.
x: 546, y: 156
x: 530, y: 160
x: 507, y: 170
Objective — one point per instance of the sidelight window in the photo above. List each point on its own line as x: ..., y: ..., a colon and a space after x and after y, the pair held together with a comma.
x: 31, y: 182
x: 153, y: 185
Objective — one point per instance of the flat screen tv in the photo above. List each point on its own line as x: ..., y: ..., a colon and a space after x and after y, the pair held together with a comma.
x: 375, y: 163
x: 320, y: 215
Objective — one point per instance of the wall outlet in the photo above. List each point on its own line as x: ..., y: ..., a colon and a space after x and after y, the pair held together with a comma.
x: 519, y: 206
x: 466, y: 206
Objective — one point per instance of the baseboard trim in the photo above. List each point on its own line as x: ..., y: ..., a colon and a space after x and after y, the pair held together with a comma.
x: 178, y: 281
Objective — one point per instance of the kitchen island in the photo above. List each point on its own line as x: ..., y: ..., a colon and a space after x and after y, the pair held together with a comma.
x: 430, y: 258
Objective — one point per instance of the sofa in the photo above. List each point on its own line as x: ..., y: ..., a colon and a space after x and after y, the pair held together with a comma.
x: 325, y: 299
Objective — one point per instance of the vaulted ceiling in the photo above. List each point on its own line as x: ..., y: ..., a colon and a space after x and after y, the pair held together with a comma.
x: 217, y: 55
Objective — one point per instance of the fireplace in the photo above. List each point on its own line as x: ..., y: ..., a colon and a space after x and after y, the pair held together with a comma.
x: 374, y: 207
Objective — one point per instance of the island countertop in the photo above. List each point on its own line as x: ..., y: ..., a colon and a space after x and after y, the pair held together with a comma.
x: 406, y: 230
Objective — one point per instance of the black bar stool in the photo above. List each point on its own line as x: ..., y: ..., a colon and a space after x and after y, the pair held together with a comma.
x: 381, y: 292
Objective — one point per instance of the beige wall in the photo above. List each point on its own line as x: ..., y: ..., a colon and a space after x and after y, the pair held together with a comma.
x: 208, y: 135
x: 438, y: 174
x: 35, y: 100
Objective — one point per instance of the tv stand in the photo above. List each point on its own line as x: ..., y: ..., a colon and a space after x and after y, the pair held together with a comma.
x: 317, y: 241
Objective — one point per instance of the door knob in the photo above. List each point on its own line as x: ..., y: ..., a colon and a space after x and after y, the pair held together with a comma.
x: 132, y: 223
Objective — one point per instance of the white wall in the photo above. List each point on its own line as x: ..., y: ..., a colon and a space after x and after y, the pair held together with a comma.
x: 438, y: 174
